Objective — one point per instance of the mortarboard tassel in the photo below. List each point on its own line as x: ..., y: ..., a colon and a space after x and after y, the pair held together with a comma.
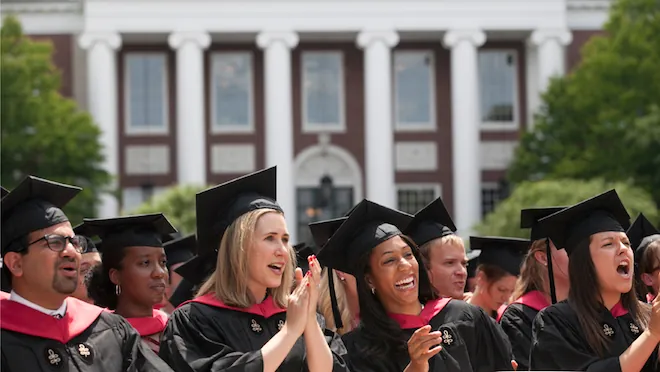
x: 333, y: 300
x: 551, y: 276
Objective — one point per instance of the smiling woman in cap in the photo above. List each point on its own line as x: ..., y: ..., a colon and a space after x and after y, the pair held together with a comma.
x: 243, y: 317
x: 601, y: 326
x: 403, y: 324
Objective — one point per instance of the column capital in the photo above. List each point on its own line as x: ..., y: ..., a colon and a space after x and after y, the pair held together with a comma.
x: 541, y: 36
x: 267, y: 38
x: 453, y: 37
x: 199, y: 38
x: 367, y: 37
x: 89, y: 39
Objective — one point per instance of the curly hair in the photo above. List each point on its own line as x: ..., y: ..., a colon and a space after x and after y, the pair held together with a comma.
x: 99, y: 286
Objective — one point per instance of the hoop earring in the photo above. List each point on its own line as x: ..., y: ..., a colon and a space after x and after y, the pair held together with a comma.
x: 373, y: 290
x: 117, y: 289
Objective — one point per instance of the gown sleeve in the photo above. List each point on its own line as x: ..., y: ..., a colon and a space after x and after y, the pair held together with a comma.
x: 557, y: 346
x: 336, y: 346
x: 519, y: 332
x: 188, y: 346
x: 498, y: 354
x: 137, y: 357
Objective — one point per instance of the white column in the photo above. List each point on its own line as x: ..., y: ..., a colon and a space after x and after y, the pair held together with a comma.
x: 532, y: 77
x: 279, y: 117
x: 102, y: 104
x: 191, y: 132
x: 551, y: 57
x: 465, y: 126
x: 379, y: 137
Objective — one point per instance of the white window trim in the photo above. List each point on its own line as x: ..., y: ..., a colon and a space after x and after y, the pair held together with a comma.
x: 512, y: 126
x: 326, y: 127
x: 418, y: 186
x: 416, y: 127
x: 128, y: 128
x: 233, y: 128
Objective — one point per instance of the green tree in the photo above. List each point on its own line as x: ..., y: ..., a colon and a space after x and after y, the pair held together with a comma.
x: 505, y: 219
x: 602, y: 120
x: 177, y: 204
x: 43, y: 133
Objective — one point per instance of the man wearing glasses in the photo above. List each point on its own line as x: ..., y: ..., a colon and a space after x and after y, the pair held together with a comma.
x: 43, y: 329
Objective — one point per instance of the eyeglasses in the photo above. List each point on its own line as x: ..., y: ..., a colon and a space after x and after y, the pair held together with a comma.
x: 57, y: 243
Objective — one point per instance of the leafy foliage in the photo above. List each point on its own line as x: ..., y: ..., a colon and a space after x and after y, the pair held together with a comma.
x: 177, y: 204
x: 602, y: 120
x: 505, y: 219
x: 43, y: 133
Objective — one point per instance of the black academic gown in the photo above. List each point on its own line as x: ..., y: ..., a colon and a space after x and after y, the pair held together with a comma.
x: 86, y: 339
x: 516, y: 322
x: 205, y: 335
x: 472, y: 341
x: 558, y: 342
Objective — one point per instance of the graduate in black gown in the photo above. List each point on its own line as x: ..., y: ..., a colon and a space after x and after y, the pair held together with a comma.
x: 403, y: 325
x: 601, y: 326
x: 645, y: 241
x: 243, y: 318
x: 133, y: 276
x: 42, y: 329
x: 497, y: 272
x: 534, y: 291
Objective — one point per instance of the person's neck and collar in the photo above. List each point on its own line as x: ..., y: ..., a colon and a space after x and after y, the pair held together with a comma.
x: 48, y: 309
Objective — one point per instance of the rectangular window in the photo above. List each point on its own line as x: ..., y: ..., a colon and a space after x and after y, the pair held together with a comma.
x: 413, y: 197
x: 491, y: 195
x: 232, y: 103
x: 322, y: 91
x: 146, y: 93
x: 498, y: 88
x: 414, y: 85
x: 312, y: 208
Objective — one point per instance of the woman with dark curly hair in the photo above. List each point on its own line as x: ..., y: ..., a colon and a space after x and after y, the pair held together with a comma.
x: 132, y: 277
x: 404, y: 325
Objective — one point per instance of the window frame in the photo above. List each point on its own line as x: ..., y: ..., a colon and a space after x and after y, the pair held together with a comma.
x: 418, y: 186
x: 433, y: 115
x: 129, y: 129
x: 514, y: 125
x: 495, y: 186
x: 233, y: 128
x: 324, y: 127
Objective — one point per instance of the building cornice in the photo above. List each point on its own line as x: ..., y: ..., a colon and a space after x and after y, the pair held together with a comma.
x: 24, y: 7
x: 588, y: 4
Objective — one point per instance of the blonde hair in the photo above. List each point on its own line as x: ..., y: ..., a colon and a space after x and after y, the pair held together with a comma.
x: 230, y: 278
x: 324, y: 305
x: 425, y: 249
x: 533, y: 275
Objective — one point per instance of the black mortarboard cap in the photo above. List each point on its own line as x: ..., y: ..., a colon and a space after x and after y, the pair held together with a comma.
x: 473, y: 261
x: 183, y: 292
x: 432, y: 222
x: 323, y: 230
x: 197, y: 269
x: 570, y: 226
x: 221, y: 205
x: 145, y: 230
x: 3, y: 192
x: 303, y: 250
x: 530, y: 217
x: 83, y: 230
x: 505, y: 253
x: 639, y: 231
x: 180, y: 250
x: 367, y: 226
x: 321, y: 233
x: 33, y: 205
